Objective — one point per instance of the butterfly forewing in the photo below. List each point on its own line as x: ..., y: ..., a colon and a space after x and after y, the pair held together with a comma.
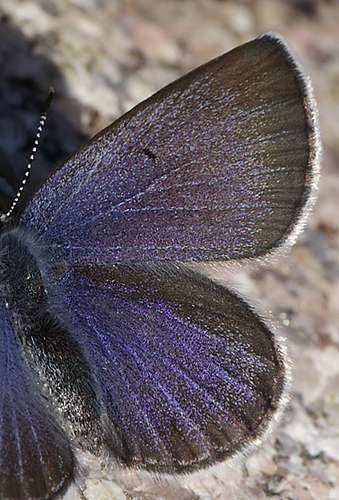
x: 217, y: 165
x: 36, y: 460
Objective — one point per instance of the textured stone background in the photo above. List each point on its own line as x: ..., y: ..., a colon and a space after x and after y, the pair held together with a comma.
x: 103, y: 57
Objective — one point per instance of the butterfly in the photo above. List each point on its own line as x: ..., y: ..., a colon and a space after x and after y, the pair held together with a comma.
x: 109, y: 342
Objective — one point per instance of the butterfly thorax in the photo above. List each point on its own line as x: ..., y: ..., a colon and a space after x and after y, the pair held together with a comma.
x: 44, y: 339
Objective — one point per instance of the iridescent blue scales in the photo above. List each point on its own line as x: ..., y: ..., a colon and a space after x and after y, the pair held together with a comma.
x: 109, y: 343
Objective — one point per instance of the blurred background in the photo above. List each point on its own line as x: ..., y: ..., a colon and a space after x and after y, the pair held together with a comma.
x: 103, y: 57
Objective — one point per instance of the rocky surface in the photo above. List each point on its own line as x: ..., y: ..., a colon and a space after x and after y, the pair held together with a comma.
x: 103, y: 57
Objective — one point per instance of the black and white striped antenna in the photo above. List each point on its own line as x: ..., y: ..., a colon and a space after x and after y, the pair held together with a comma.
x: 50, y: 94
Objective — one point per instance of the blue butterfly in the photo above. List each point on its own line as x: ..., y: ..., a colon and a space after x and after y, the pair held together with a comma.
x: 108, y: 342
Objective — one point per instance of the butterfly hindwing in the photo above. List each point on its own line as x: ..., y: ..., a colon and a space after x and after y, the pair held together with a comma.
x: 189, y: 374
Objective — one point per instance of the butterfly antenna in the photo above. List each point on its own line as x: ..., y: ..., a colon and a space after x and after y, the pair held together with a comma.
x: 43, y: 117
